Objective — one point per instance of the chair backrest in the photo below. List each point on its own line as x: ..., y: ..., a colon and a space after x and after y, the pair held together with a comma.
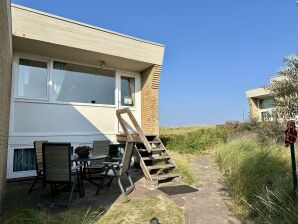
x: 101, y: 147
x: 38, y: 155
x: 129, y: 147
x: 56, y: 162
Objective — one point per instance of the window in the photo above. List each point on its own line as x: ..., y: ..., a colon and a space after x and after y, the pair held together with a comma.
x: 32, y: 79
x: 266, y: 116
x: 23, y: 159
x: 127, y: 91
x: 82, y: 84
x: 266, y: 103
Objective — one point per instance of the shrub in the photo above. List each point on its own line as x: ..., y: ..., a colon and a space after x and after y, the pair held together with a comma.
x: 264, y: 131
x: 258, y: 178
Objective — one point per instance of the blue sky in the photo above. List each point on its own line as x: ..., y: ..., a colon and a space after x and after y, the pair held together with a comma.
x: 215, y: 50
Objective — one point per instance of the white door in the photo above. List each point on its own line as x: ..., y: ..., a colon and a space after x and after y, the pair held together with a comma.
x: 129, y: 97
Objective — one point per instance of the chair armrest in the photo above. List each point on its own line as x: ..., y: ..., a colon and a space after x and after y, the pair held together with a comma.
x: 111, y: 163
x: 77, y: 166
x: 118, y: 159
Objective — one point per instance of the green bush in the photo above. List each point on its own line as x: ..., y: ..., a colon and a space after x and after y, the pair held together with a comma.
x: 195, y: 141
x: 265, y: 131
x: 258, y: 178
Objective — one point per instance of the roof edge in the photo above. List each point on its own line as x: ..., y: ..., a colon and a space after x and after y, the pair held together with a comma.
x: 83, y: 24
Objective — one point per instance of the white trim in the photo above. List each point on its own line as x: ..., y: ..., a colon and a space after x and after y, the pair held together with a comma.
x: 260, y: 111
x: 65, y: 103
x: 269, y: 110
x: 10, y: 173
x: 53, y: 134
x: 30, y: 57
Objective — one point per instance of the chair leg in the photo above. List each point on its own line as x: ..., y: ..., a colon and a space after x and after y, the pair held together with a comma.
x: 33, y: 185
x: 110, y: 181
x: 71, y: 193
x: 40, y: 191
x: 52, y: 190
x: 121, y: 188
x: 81, y: 186
x: 132, y: 185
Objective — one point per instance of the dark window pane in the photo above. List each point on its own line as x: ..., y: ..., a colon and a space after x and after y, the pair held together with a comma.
x: 23, y: 159
x: 127, y: 91
x: 266, y: 103
x: 31, y: 63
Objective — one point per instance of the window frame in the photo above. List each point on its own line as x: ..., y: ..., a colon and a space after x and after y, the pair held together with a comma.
x: 269, y: 110
x: 120, y: 91
x: 51, y: 100
x: 10, y: 155
x: 17, y: 74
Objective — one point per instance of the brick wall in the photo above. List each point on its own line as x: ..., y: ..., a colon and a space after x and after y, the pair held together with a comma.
x: 149, y: 95
x: 254, y: 112
x: 5, y: 85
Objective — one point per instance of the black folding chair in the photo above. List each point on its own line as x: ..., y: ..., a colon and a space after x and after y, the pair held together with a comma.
x: 38, y: 163
x: 99, y: 148
x: 58, y: 171
x: 115, y: 170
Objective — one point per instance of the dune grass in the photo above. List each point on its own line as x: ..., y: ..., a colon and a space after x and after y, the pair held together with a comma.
x: 140, y: 211
x: 135, y: 211
x: 182, y: 130
x: 192, y: 140
x: 35, y: 216
x: 185, y: 143
x: 258, y: 178
x: 184, y: 167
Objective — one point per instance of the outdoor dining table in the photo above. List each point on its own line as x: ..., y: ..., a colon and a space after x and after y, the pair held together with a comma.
x: 77, y: 159
x: 85, y: 161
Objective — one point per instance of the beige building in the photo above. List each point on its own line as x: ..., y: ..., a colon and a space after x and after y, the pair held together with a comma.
x: 63, y: 80
x: 260, y: 102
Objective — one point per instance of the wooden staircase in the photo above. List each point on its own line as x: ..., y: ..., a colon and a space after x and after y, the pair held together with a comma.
x: 155, y: 162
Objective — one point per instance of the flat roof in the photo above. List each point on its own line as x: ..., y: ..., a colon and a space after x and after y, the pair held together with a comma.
x: 83, y: 24
x: 48, y: 35
x: 260, y: 92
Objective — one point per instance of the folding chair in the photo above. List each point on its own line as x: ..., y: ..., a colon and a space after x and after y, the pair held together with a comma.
x: 57, y: 170
x: 115, y: 170
x: 38, y: 163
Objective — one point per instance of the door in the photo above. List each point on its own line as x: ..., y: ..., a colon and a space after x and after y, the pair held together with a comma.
x: 129, y: 97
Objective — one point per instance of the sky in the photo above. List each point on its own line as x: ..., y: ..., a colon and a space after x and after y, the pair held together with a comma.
x: 215, y: 50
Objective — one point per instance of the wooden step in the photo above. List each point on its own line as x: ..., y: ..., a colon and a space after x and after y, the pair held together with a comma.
x: 165, y: 176
x: 155, y: 142
x: 147, y: 135
x: 155, y: 158
x: 153, y: 150
x: 163, y: 166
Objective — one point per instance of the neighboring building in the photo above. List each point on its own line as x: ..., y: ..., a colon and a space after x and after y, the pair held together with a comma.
x: 68, y: 80
x: 260, y: 102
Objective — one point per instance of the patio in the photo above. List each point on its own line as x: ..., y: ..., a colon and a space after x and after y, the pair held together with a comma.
x: 16, y: 194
